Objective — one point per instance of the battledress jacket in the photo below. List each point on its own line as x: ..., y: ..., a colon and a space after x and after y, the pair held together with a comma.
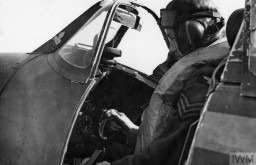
x: 182, y: 90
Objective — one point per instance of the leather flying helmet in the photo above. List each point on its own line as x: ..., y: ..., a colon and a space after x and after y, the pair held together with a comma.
x: 196, y: 22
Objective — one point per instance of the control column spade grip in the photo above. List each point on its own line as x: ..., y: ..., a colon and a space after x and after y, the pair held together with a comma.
x: 104, y: 119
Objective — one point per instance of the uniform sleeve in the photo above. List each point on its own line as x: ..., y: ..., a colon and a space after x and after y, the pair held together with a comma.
x: 166, y: 149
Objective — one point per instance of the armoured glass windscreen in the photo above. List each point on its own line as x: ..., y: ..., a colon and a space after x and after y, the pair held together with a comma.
x: 79, y: 51
x: 168, y: 18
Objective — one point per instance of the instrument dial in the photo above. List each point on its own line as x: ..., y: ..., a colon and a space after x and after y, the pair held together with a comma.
x: 87, y: 124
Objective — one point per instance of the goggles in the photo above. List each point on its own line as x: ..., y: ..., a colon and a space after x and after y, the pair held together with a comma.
x: 168, y: 18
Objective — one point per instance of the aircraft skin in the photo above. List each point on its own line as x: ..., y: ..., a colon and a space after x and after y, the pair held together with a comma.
x: 38, y: 105
x: 35, y: 123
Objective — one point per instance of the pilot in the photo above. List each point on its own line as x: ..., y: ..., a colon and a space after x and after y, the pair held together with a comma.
x: 197, y: 45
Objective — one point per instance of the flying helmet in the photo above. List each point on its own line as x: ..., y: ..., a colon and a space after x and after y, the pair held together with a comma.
x: 196, y: 23
x: 233, y: 24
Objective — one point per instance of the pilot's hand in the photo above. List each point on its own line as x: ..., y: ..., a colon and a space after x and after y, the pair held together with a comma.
x: 125, y: 122
x: 103, y: 163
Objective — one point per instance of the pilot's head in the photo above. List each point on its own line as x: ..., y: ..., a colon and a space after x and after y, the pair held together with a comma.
x: 233, y: 24
x: 191, y: 24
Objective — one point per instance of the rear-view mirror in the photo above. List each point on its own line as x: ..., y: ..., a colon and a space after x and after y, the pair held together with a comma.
x: 128, y: 19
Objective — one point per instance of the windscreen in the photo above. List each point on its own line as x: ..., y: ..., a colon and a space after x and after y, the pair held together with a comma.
x: 79, y: 51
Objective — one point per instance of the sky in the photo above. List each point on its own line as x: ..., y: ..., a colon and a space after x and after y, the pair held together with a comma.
x: 27, y: 24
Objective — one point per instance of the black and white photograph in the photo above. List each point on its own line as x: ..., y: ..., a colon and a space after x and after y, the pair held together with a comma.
x: 127, y: 82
